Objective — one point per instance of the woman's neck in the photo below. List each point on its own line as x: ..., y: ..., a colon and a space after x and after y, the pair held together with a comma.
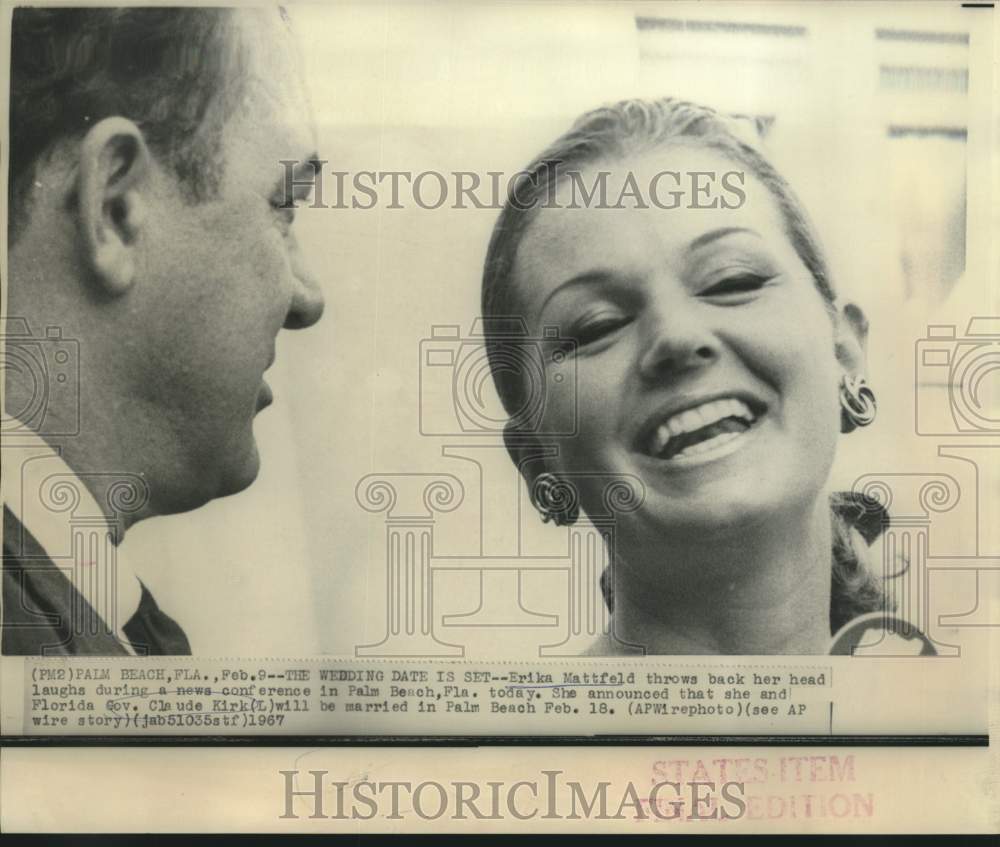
x: 764, y: 591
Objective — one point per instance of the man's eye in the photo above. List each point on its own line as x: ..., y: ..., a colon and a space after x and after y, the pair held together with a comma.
x: 736, y: 284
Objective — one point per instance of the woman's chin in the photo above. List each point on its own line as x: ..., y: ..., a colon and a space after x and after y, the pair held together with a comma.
x: 730, y: 506
x: 706, y: 522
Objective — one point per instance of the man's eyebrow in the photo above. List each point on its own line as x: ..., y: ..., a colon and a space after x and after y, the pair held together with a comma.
x: 715, y: 234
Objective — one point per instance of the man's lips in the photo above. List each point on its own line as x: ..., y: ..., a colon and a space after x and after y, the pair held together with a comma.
x: 264, y: 396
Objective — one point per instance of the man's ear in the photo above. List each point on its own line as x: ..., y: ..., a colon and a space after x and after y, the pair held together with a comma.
x: 114, y: 162
x: 851, y: 341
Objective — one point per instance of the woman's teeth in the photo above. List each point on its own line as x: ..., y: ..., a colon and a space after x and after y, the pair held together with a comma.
x: 707, y: 445
x: 702, y: 429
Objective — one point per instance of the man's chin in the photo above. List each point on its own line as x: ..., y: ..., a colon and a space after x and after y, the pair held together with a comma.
x: 242, y: 475
x: 211, y: 483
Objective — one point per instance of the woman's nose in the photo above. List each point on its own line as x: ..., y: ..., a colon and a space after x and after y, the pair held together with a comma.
x: 676, y: 339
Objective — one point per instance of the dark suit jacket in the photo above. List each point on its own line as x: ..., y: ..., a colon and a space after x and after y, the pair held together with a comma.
x: 44, y: 614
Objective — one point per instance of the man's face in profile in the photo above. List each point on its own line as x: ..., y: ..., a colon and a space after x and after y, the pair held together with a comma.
x: 221, y: 279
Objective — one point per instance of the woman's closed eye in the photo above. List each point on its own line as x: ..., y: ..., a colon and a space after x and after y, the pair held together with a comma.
x: 735, y: 285
x: 593, y: 329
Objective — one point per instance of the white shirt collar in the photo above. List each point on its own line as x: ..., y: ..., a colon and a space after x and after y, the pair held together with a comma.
x: 54, y: 505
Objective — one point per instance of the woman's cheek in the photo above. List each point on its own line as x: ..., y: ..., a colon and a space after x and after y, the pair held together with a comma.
x: 799, y: 334
x: 815, y: 389
x: 600, y: 398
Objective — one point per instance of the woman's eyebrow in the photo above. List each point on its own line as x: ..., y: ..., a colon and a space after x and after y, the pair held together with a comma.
x: 591, y: 277
x: 601, y: 275
x: 715, y: 234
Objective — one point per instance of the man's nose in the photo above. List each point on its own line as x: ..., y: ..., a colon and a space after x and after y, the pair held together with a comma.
x: 676, y: 338
x: 307, y: 299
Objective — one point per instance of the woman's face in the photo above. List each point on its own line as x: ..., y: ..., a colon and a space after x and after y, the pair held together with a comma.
x: 705, y: 361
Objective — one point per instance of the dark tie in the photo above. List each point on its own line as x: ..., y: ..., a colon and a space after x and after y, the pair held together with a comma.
x: 154, y: 633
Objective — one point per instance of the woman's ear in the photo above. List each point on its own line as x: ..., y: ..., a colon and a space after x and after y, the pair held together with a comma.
x: 851, y: 339
x: 114, y: 162
x: 526, y: 452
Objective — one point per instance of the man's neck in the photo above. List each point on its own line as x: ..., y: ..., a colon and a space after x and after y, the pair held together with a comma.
x: 120, y: 495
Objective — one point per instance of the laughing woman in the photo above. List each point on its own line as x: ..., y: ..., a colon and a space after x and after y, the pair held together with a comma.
x: 713, y: 362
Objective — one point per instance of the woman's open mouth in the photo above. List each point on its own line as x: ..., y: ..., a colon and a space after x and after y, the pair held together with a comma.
x: 707, y: 431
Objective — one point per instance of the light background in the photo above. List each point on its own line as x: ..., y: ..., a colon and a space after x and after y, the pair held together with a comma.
x: 293, y: 565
